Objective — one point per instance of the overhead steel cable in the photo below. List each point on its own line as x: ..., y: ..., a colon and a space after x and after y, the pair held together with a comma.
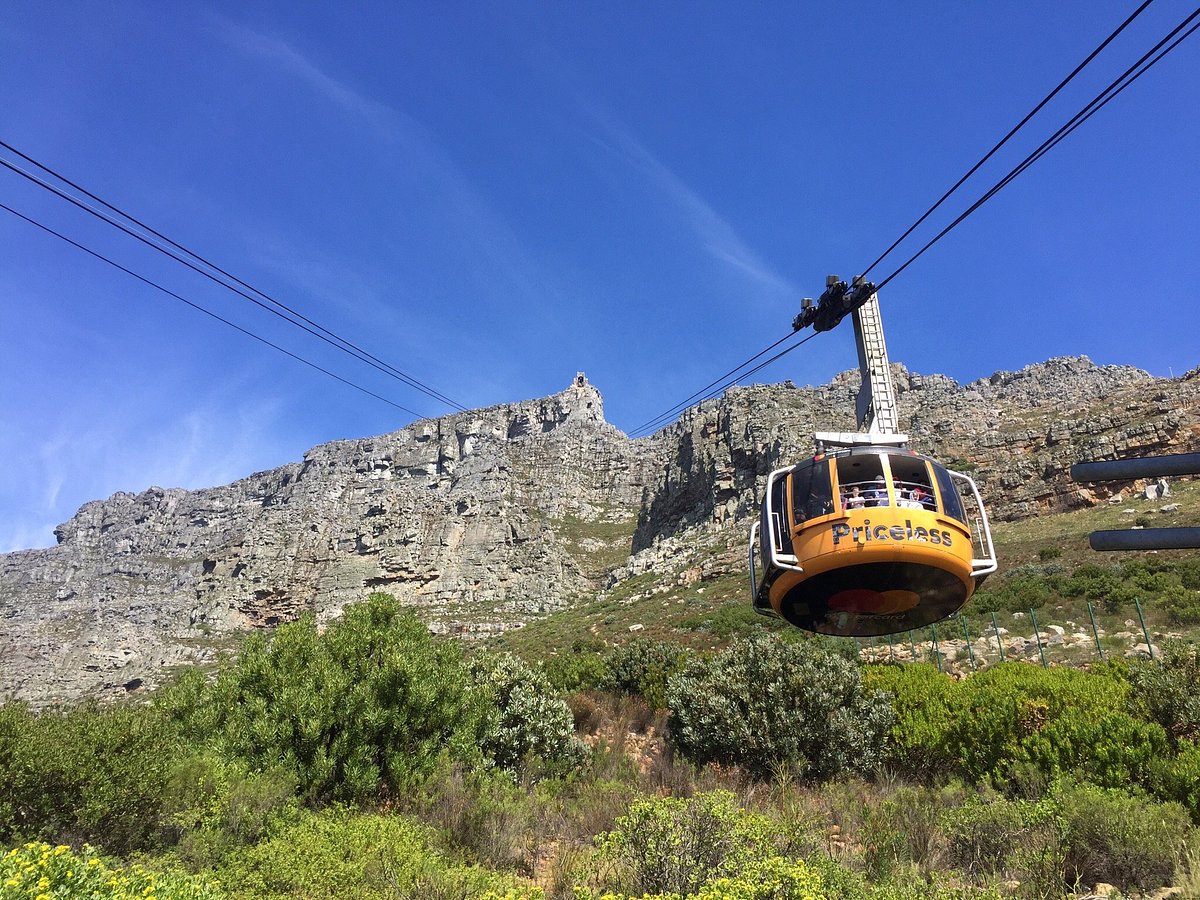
x: 667, y: 414
x: 1004, y: 140
x: 656, y: 423
x: 207, y: 312
x: 678, y: 407
x: 1126, y: 78
x: 281, y: 309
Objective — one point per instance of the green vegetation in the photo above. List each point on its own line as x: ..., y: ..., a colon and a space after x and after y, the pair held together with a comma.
x: 711, y: 753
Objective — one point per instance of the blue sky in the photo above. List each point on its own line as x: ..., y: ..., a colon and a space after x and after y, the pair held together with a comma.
x: 495, y: 196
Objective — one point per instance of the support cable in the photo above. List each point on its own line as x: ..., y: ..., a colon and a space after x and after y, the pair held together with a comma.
x: 207, y: 312
x: 1004, y: 140
x: 281, y: 310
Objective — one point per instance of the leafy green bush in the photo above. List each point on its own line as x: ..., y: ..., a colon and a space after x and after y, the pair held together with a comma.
x: 1055, y: 721
x: 1168, y: 691
x: 335, y: 854
x: 525, y: 719
x: 1014, y: 722
x: 643, y: 667
x: 764, y: 703
x: 918, y: 745
x: 214, y: 805
x: 39, y: 870
x: 705, y: 846
x: 581, y: 669
x: 1178, y: 778
x: 1118, y: 838
x: 84, y: 775
x: 372, y: 703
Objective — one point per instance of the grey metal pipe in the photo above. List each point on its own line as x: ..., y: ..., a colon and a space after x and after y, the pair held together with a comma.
x: 1146, y: 539
x: 1129, y: 469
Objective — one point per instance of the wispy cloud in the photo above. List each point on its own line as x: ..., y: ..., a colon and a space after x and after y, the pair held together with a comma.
x: 458, y: 202
x: 717, y: 236
x: 213, y: 443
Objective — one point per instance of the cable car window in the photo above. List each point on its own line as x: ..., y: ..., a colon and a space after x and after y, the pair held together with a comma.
x: 812, y: 491
x: 913, y: 486
x: 951, y: 502
x: 861, y: 482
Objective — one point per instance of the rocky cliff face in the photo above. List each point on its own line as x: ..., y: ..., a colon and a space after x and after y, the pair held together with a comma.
x: 486, y: 519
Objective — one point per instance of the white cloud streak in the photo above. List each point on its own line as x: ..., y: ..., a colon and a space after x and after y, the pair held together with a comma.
x: 716, y: 235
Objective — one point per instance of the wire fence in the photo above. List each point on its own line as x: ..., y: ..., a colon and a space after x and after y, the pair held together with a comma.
x: 960, y: 645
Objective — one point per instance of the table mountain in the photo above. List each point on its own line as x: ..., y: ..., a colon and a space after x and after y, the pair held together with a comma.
x: 486, y: 519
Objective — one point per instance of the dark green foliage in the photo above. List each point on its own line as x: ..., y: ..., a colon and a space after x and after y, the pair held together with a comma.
x: 84, y: 775
x: 764, y: 704
x: 643, y: 667
x: 1170, y: 584
x: 580, y: 669
x: 1015, y: 721
x: 1048, y: 553
x: 370, y: 704
x: 1178, y: 778
x: 212, y: 806
x: 1168, y: 692
x: 1115, y: 837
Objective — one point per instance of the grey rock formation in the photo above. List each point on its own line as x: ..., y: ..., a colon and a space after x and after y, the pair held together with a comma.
x: 486, y: 519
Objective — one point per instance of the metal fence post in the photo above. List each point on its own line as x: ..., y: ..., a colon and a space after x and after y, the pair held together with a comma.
x: 1142, y: 619
x: 937, y: 654
x: 1037, y: 634
x: 996, y: 631
x: 1095, y: 631
x: 967, y: 638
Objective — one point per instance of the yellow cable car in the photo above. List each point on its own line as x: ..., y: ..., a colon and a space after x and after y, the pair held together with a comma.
x: 870, y: 538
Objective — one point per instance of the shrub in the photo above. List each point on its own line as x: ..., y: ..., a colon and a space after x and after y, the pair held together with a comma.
x: 1169, y: 693
x: 999, y: 837
x: 1178, y: 779
x: 705, y: 846
x: 1016, y: 717
x: 335, y: 854
x: 1118, y: 838
x: 582, y: 669
x: 524, y: 719
x: 39, y: 870
x: 921, y: 699
x: 1048, y: 553
x: 643, y: 667
x: 763, y: 703
x: 214, y: 805
x: 373, y: 703
x: 84, y: 775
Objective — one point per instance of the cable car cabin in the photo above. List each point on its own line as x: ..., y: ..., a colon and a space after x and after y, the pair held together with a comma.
x: 868, y: 541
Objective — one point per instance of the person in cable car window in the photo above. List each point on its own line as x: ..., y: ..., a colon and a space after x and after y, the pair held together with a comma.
x: 855, y: 499
x: 877, y: 496
x: 918, y: 496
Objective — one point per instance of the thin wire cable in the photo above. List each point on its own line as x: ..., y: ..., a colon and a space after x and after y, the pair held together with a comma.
x: 683, y: 403
x: 642, y: 432
x: 1004, y: 140
x: 207, y: 312
x: 325, y: 334
x: 1099, y: 48
x: 1126, y: 78
x: 1102, y: 99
